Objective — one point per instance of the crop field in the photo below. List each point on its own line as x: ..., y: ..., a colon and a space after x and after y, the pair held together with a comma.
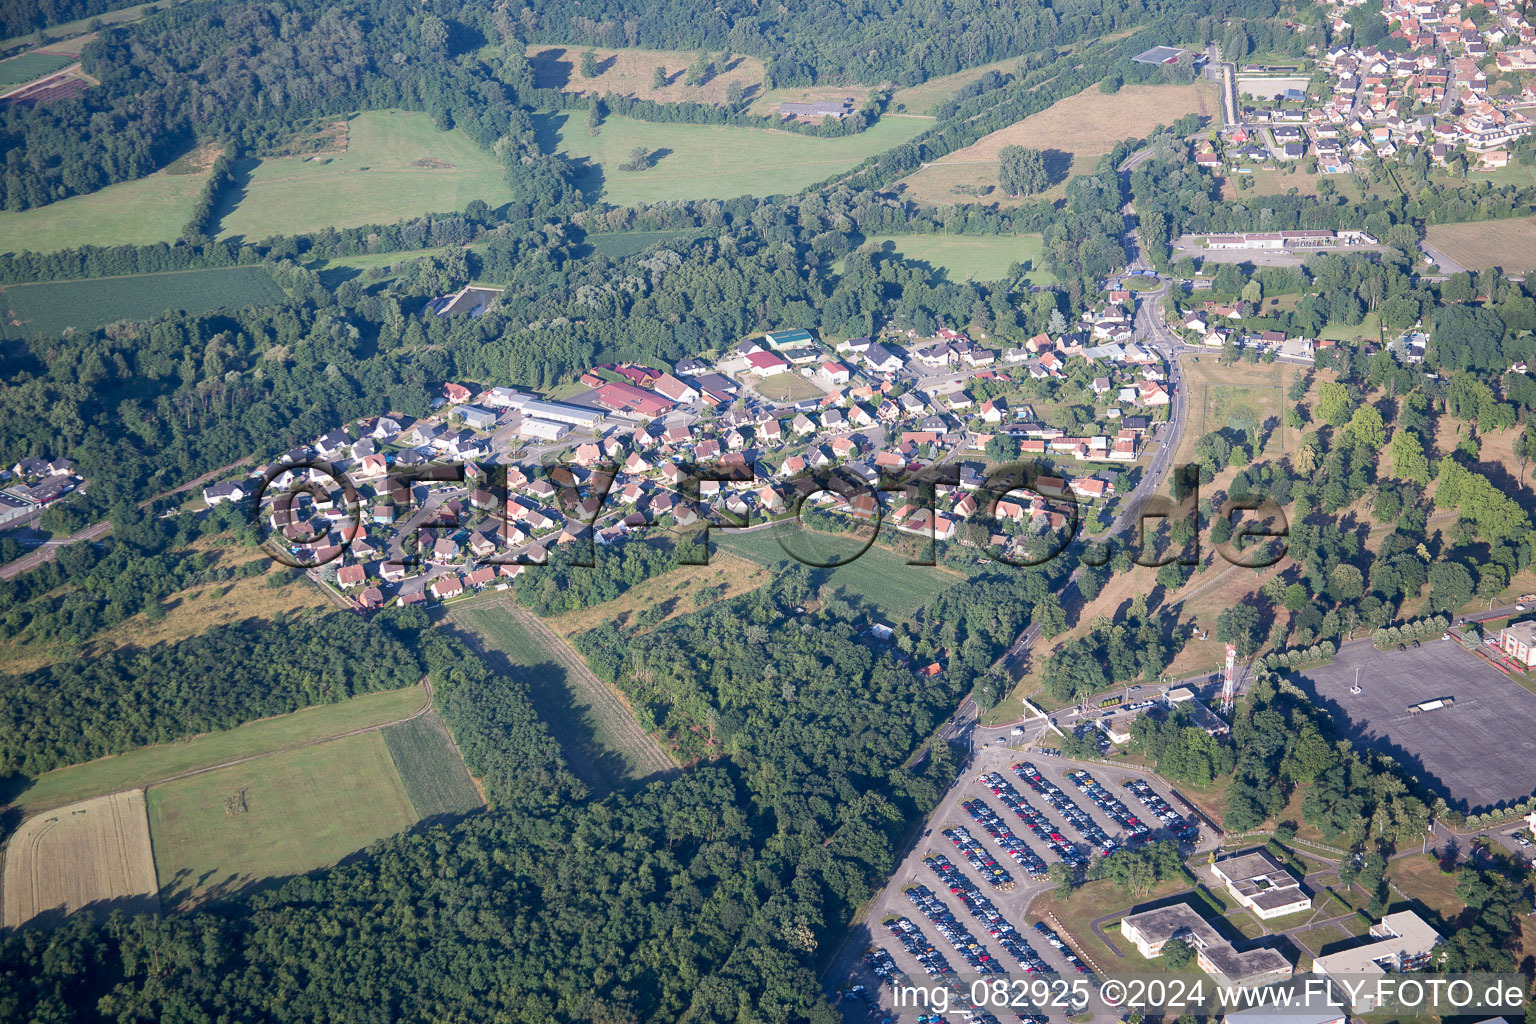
x: 152, y: 209
x: 1083, y: 127
x: 95, y: 852
x: 971, y: 257
x: 693, y: 161
x: 146, y: 765
x: 28, y: 66
x: 430, y: 768
x: 593, y: 725
x: 629, y: 72
x: 395, y: 165
x: 220, y: 832
x: 879, y: 577
x: 1478, y: 245
x: 50, y: 307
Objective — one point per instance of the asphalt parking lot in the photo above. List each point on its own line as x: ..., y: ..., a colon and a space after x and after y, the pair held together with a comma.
x: 911, y: 952
x: 1478, y: 751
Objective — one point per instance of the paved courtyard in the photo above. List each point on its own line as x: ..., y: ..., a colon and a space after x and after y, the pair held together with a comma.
x: 1477, y: 752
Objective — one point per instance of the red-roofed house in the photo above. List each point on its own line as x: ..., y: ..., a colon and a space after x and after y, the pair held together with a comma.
x: 766, y: 364
x: 350, y: 576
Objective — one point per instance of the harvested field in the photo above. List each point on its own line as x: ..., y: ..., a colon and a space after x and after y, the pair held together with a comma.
x: 631, y: 73
x: 225, y: 831
x: 431, y: 769
x: 672, y: 592
x: 1081, y: 128
x: 93, y: 853
x: 1478, y: 245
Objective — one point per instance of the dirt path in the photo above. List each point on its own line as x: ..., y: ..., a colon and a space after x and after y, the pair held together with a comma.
x: 604, y: 699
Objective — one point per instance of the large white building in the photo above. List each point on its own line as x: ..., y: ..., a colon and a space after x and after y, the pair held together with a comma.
x: 1151, y: 930
x: 1262, y: 884
x: 1403, y: 943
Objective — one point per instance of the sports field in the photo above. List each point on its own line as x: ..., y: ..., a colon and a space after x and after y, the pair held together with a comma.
x: 49, y: 307
x: 971, y: 257
x: 28, y: 66
x: 396, y: 165
x: 146, y: 765
x: 692, y: 161
x: 1478, y: 245
x: 629, y: 72
x: 879, y: 576
x: 599, y: 737
x: 1083, y: 127
x: 430, y: 768
x: 217, y: 833
x: 92, y: 852
x: 152, y: 209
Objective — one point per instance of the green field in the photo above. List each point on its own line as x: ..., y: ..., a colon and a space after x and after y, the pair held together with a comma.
x: 32, y: 65
x: 152, y: 209
x: 217, y: 833
x: 690, y: 161
x: 626, y: 243
x: 971, y: 257
x: 879, y: 576
x: 396, y: 165
x: 598, y: 735
x: 49, y: 307
x: 430, y: 768
x: 150, y: 764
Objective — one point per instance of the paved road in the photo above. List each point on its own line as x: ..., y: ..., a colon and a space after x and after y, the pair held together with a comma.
x: 96, y: 531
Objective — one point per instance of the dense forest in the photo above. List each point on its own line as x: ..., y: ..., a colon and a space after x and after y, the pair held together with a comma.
x: 76, y: 711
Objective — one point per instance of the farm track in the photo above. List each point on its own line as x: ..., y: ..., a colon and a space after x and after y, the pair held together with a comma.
x: 621, y: 734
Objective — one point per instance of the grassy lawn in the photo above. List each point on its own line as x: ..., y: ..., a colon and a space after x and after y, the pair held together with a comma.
x: 1369, y: 329
x: 690, y: 161
x: 879, y: 576
x: 149, y: 764
x: 923, y: 97
x: 217, y: 833
x: 1314, y: 940
x: 599, y: 736
x: 1421, y: 878
x: 50, y: 307
x: 1093, y: 900
x: 787, y: 387
x: 152, y: 209
x: 431, y: 769
x: 618, y: 245
x: 28, y: 66
x: 395, y: 165
x: 971, y: 257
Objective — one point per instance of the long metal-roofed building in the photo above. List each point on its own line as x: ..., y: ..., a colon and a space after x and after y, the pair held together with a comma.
x: 1151, y: 930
